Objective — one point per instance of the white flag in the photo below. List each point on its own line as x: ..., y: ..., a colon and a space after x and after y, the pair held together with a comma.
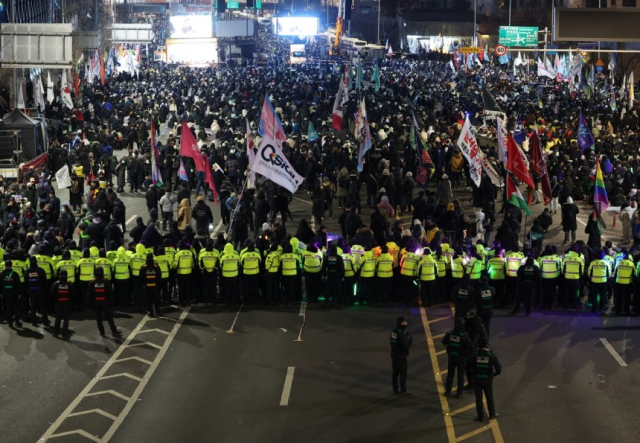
x: 489, y: 169
x: 65, y: 93
x: 49, y: 89
x: 469, y: 147
x: 273, y: 165
x: 39, y: 94
x: 19, y: 97
x: 62, y: 178
x: 502, y: 140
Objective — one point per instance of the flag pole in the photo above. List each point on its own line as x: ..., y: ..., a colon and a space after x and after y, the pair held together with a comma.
x: 235, y: 210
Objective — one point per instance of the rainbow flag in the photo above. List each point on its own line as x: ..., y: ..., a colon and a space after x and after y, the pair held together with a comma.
x: 600, y: 199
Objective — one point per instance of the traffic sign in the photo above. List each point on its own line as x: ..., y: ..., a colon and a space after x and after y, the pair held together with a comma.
x: 258, y: 4
x: 500, y: 50
x: 524, y: 36
x: 470, y: 50
x: 233, y: 5
x: 599, y: 65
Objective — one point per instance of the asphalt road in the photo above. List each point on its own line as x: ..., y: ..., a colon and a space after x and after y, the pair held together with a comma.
x: 209, y: 374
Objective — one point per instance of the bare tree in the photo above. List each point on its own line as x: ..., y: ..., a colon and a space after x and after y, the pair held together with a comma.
x: 535, y: 13
x: 626, y: 62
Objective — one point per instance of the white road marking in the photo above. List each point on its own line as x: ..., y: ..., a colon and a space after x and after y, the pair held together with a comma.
x: 133, y: 217
x: 286, y: 389
x: 233, y: 325
x: 303, y: 313
x: 87, y: 391
x: 303, y: 201
x: 215, y: 231
x: 613, y: 352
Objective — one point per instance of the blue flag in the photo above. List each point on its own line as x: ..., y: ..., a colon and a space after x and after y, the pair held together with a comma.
x: 312, y: 135
x: 519, y: 134
x: 585, y: 139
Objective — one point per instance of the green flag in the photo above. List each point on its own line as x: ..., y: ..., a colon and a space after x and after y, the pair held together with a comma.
x: 312, y: 135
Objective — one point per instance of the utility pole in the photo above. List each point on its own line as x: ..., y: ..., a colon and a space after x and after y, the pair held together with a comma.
x: 379, y: 7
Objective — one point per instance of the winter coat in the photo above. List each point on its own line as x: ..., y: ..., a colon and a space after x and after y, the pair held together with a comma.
x: 343, y: 178
x: 152, y: 238
x: 569, y: 212
x: 113, y: 233
x: 184, y: 214
x: 506, y: 237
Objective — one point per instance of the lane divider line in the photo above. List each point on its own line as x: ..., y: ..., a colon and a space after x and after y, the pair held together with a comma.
x: 613, y: 352
x: 439, y: 376
x: 70, y: 411
x: 286, y: 389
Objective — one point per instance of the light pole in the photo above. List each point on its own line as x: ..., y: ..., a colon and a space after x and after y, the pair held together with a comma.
x: 475, y: 23
x: 509, y: 12
x: 379, y: 4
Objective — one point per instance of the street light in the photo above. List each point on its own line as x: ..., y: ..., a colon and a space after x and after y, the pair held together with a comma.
x: 475, y: 23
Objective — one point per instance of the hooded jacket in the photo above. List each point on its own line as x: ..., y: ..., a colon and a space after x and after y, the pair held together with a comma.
x: 184, y: 214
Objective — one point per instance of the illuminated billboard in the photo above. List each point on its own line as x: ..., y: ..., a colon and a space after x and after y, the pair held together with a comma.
x: 299, y: 26
x: 199, y: 52
x: 191, y: 26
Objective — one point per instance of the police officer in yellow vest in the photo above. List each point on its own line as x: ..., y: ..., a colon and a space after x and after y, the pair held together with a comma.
x: 208, y: 263
x: 599, y: 274
x: 572, y: 272
x: 474, y: 269
x: 138, y: 260
x: 623, y: 275
x: 442, y: 282
x: 408, y: 272
x: 366, y: 275
x: 514, y: 260
x: 349, y: 281
x: 183, y: 262
x: 68, y: 265
x: 427, y: 271
x: 122, y: 278
x: 289, y: 263
x: 497, y: 271
x: 103, y: 262
x: 384, y: 274
x: 165, y: 262
x: 312, y: 265
x: 457, y: 267
x: 551, y: 265
x: 46, y: 263
x: 229, y: 272
x: 251, y: 263
x: 272, y: 267
x: 85, y: 268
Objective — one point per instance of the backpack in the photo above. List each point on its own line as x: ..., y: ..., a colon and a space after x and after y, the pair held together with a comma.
x: 75, y: 187
x: 408, y: 187
x: 343, y: 182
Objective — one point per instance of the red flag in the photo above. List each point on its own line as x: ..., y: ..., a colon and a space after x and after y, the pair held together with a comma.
x: 102, y: 72
x: 209, y: 179
x: 516, y: 164
x: 76, y: 83
x: 539, y: 166
x: 189, y: 148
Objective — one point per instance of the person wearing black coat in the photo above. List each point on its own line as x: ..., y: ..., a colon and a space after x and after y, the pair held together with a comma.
x: 202, y: 214
x: 184, y: 193
x: 569, y: 221
x: 112, y: 233
x: 151, y: 237
x: 119, y: 214
x: 95, y: 231
x: 138, y: 230
x: 152, y: 198
x: 378, y: 226
x: 261, y: 209
x: 506, y: 236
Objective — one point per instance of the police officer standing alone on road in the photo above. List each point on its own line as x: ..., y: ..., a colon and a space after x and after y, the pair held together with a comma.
x: 400, y: 344
x: 101, y: 294
x: 484, y: 366
x: 63, y: 295
x: 458, y: 347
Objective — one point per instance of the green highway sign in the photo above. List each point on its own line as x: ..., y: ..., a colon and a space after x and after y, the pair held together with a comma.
x: 518, y: 36
x: 233, y: 5
x: 258, y: 4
